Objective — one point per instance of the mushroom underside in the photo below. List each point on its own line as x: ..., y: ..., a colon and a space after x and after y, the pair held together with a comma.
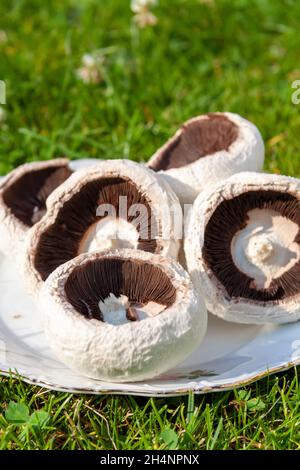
x: 95, y: 201
x: 273, y: 246
x: 198, y: 138
x: 26, y: 197
x: 90, y: 285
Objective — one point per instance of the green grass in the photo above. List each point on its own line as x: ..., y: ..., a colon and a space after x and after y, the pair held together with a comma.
x: 240, y: 56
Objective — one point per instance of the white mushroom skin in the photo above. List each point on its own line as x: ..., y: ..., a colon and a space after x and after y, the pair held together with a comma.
x: 12, y: 230
x: 246, y: 153
x: 162, y: 198
x: 263, y: 250
x: 128, y: 351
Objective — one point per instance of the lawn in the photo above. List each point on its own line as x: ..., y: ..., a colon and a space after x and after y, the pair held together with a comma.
x: 227, y: 55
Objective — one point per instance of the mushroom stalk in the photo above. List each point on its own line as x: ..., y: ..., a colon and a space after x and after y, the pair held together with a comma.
x: 118, y: 310
x: 265, y: 248
x: 260, y: 249
x: 131, y: 314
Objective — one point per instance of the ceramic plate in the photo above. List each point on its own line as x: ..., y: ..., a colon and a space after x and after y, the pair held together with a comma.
x: 231, y: 354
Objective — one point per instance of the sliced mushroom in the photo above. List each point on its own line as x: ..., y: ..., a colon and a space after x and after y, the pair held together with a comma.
x: 115, y: 204
x: 122, y: 315
x: 207, y: 149
x: 23, y: 196
x: 242, y: 248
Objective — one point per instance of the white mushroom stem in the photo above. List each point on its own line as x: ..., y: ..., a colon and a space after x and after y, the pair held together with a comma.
x: 265, y: 248
x: 260, y: 248
x: 119, y: 310
x: 109, y: 233
x: 114, y: 308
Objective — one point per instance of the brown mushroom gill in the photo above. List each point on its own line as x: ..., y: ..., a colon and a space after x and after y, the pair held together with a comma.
x: 199, y: 138
x: 95, y: 280
x: 61, y: 241
x: 27, y: 196
x: 230, y: 217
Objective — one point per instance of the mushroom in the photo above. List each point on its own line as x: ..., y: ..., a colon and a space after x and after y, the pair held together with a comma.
x: 242, y: 248
x: 116, y: 204
x: 122, y: 315
x: 23, y: 195
x: 207, y: 149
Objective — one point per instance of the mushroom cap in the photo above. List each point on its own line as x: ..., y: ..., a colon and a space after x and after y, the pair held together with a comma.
x: 205, y: 227
x: 16, y: 202
x: 132, y: 351
x: 158, y: 194
x: 198, y: 155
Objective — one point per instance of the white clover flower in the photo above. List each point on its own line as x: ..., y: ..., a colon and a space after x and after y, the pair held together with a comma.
x: 88, y: 60
x: 143, y: 16
x: 89, y: 71
x: 138, y: 5
x: 88, y: 74
x: 145, y: 19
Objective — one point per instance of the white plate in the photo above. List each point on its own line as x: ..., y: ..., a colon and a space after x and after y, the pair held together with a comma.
x: 231, y: 354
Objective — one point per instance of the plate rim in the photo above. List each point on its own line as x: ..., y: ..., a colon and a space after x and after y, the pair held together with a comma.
x: 194, y: 387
